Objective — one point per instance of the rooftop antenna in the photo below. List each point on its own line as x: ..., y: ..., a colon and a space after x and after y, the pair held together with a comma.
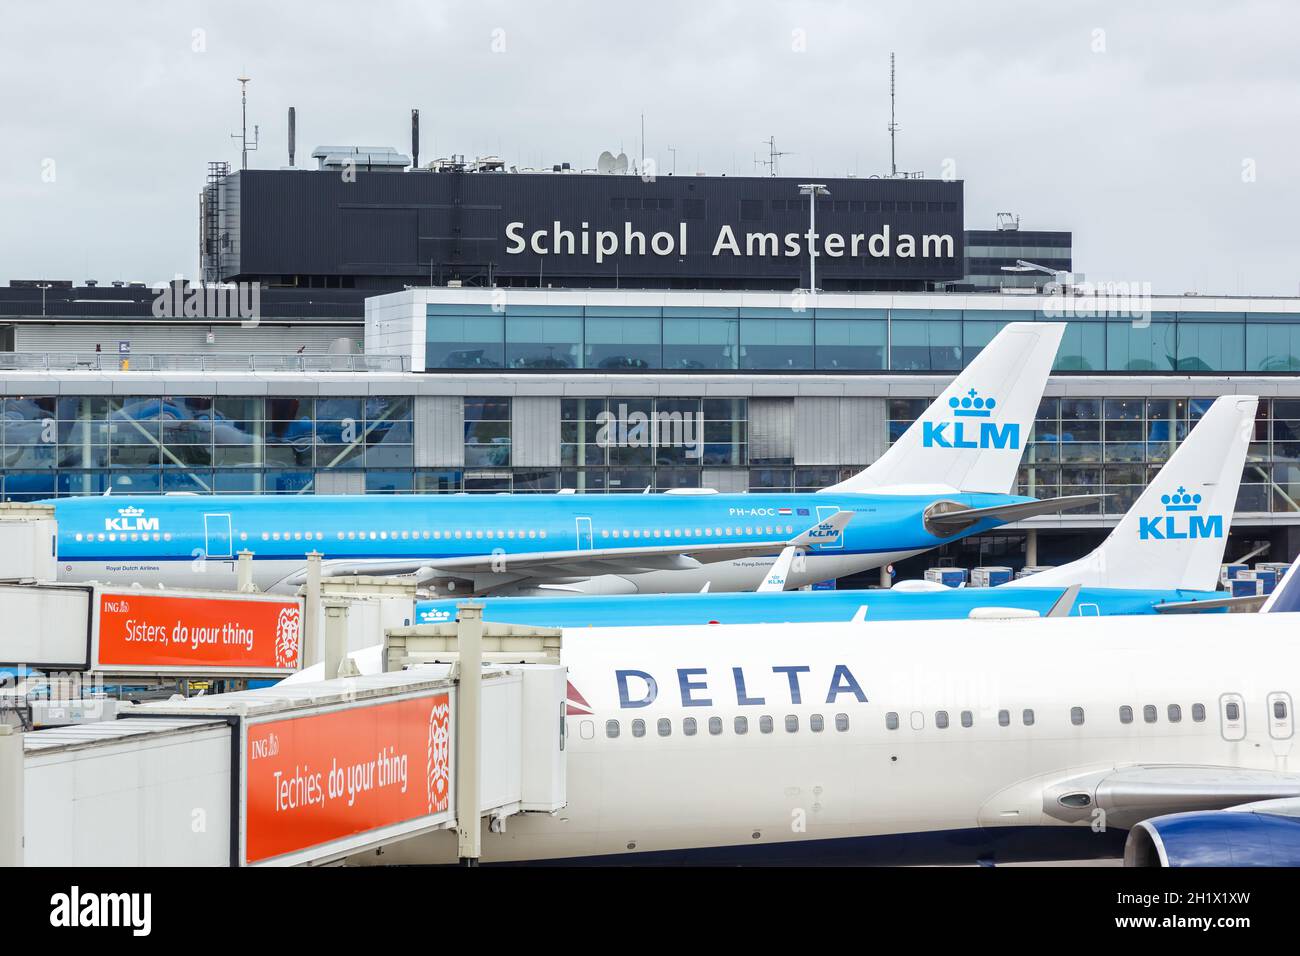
x: 773, y: 156
x: 893, y: 127
x: 415, y: 139
x: 293, y: 133
x: 243, y: 128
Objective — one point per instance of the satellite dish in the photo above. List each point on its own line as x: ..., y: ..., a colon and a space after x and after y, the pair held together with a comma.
x: 606, y: 162
x: 620, y: 164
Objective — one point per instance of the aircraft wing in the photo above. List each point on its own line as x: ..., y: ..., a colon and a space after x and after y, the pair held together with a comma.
x: 949, y: 517
x: 583, y: 562
x: 1248, y: 602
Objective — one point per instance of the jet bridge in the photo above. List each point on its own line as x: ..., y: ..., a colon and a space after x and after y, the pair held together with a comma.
x: 298, y: 773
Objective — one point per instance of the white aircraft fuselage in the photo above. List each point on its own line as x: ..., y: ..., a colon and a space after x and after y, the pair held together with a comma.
x: 896, y: 741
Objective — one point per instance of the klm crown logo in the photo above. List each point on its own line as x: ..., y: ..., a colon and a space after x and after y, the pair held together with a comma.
x: 972, y: 406
x: 1181, y: 520
x: 968, y: 431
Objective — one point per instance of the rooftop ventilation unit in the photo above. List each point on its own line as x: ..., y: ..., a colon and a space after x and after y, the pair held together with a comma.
x: 375, y: 159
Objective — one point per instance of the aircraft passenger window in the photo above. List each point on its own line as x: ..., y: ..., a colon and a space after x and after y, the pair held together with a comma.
x: 1279, y: 710
x: 1175, y: 713
x: 891, y: 721
x: 765, y: 724
x: 1126, y: 714
x: 491, y: 534
x: 542, y: 533
x: 842, y: 722
x: 1004, y: 718
x: 967, y: 718
x: 1028, y: 717
x: 715, y: 725
x: 1232, y: 711
x: 604, y: 533
x: 816, y: 723
x: 941, y: 719
x: 340, y: 535
x: 688, y: 726
x: 611, y: 729
x: 742, y: 725
x: 638, y: 728
x: 1198, y: 712
x: 1149, y: 713
x: 791, y: 724
x: 636, y: 533
x: 665, y: 727
x: 1076, y: 716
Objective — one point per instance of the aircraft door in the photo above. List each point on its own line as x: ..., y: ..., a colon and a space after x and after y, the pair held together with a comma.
x: 216, y: 535
x: 1232, y: 717
x: 582, y: 530
x: 823, y: 513
x: 1280, y: 725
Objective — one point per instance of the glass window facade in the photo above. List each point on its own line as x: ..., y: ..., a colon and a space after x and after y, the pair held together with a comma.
x: 74, y: 445
x: 149, y: 445
x: 842, y: 339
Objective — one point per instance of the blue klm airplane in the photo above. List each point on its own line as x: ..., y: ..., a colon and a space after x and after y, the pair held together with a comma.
x: 1163, y: 556
x: 949, y: 475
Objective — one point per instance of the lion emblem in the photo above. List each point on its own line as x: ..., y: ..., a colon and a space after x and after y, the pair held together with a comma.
x: 439, y: 756
x: 288, y: 637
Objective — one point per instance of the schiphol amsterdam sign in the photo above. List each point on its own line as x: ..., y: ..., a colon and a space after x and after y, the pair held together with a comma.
x: 556, y: 239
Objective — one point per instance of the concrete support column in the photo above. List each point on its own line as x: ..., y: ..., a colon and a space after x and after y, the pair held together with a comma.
x: 311, y: 637
x: 1031, y: 547
x: 244, y: 572
x: 469, y: 713
x: 336, y: 634
x: 11, y: 797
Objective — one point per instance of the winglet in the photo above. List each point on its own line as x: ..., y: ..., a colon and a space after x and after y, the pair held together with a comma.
x: 1065, y: 603
x: 823, y: 532
x: 780, y: 572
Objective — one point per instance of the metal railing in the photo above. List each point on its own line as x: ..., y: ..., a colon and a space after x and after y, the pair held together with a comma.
x: 202, y: 362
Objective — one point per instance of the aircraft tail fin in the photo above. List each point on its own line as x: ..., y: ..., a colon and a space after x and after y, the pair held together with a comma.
x: 972, y: 436
x: 1175, y: 533
x: 1286, y: 596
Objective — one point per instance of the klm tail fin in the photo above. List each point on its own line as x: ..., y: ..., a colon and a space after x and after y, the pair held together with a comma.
x: 972, y: 436
x: 1286, y: 596
x: 1175, y: 533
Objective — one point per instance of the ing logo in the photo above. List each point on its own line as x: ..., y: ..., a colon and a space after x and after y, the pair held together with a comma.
x: 971, y: 427
x: 1181, y: 520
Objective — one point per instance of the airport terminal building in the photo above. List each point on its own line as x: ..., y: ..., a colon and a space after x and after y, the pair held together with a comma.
x: 463, y: 328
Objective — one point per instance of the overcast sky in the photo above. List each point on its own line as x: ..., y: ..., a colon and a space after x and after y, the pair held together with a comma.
x: 1164, y: 134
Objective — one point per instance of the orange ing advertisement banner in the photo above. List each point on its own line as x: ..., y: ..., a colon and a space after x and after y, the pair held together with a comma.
x: 143, y: 631
x: 313, y: 780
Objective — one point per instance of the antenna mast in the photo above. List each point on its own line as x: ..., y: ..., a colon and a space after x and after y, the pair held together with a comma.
x: 893, y: 127
x: 773, y: 156
x: 243, y: 129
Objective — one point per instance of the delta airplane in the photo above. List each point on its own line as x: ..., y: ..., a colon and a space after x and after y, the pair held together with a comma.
x: 948, y: 476
x: 1164, y: 555
x: 922, y: 742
